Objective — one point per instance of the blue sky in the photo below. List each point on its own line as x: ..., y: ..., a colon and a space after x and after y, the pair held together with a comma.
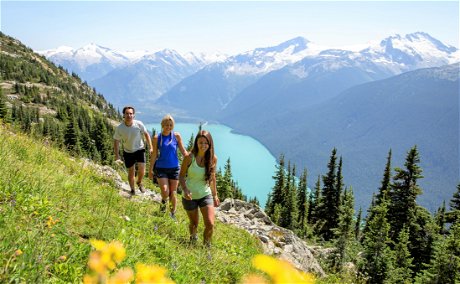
x: 229, y: 27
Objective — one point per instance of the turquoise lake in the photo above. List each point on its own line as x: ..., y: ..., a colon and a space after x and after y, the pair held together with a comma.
x: 252, y: 164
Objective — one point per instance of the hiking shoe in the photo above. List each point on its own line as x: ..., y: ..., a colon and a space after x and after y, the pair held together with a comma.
x: 133, y: 191
x: 193, y: 239
x: 163, y: 206
x: 141, y: 187
x: 173, y: 216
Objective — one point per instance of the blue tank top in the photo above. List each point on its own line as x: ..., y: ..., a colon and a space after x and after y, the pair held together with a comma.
x: 168, y: 152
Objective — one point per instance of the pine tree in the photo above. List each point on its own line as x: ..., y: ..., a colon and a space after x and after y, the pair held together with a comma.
x: 404, y: 192
x: 402, y: 272
x: 3, y: 107
x: 344, y: 233
x: 445, y: 265
x: 329, y: 203
x: 302, y: 202
x: 455, y: 202
x: 453, y: 216
x: 440, y: 218
x: 377, y: 252
x: 358, y: 225
x: 277, y: 194
x: 289, y: 211
x: 383, y: 192
x: 313, y: 214
x: 71, y: 137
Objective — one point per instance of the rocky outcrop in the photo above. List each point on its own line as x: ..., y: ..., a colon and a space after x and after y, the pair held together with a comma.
x: 275, y: 240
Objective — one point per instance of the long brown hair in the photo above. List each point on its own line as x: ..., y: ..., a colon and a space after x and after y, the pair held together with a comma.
x: 208, y: 155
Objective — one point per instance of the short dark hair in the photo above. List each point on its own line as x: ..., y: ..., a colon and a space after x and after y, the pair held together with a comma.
x: 128, y: 107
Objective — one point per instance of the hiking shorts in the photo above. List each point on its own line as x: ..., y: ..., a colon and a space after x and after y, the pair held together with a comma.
x: 172, y: 173
x: 132, y: 158
x: 193, y: 204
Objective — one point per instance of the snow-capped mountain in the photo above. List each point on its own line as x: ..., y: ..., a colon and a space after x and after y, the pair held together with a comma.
x: 412, y: 51
x: 147, y: 78
x: 217, y: 84
x: 89, y: 62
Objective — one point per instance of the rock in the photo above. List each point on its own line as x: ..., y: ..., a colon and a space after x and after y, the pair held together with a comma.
x: 275, y: 240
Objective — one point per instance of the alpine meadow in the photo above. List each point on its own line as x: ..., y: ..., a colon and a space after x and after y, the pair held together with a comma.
x: 366, y: 185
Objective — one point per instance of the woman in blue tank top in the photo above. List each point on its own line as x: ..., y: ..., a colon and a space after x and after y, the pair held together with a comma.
x: 198, y: 180
x: 164, y: 160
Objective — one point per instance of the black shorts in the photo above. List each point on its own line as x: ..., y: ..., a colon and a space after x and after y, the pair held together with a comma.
x: 193, y: 204
x: 169, y: 173
x: 132, y: 158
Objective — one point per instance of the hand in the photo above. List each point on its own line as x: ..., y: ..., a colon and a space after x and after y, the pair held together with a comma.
x: 118, y: 162
x: 187, y: 194
x: 216, y: 201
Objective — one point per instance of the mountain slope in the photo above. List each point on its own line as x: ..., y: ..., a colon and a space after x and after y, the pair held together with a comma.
x: 144, y: 80
x: 415, y: 108
x: 50, y: 211
x: 207, y: 92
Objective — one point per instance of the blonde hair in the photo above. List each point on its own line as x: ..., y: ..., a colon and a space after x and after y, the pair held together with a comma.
x: 166, y: 119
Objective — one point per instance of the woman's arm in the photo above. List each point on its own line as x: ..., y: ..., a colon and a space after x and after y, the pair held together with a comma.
x: 153, y: 156
x: 181, y: 145
x: 182, y: 174
x: 213, y: 185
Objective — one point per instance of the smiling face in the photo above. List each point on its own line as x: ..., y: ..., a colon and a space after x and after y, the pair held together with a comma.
x: 203, y: 145
x: 128, y: 116
x: 167, y: 126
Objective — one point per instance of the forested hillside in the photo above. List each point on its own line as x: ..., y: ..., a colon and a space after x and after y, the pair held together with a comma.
x: 45, y: 101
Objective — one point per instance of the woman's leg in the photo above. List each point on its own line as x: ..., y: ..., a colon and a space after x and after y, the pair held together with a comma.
x: 164, y: 188
x: 194, y: 218
x: 172, y: 194
x: 208, y: 218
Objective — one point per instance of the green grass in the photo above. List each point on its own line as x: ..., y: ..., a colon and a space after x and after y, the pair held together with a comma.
x: 38, y: 182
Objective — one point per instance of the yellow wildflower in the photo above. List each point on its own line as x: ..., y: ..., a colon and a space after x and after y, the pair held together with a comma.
x: 97, y: 244
x: 18, y: 252
x: 124, y: 275
x: 281, y: 271
x: 62, y: 258
x: 253, y: 279
x: 151, y: 274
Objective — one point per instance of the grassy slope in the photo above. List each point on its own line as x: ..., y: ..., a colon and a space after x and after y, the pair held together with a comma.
x: 38, y: 181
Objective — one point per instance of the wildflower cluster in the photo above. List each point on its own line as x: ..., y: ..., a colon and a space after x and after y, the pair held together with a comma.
x: 51, y: 222
x: 279, y: 271
x: 104, y: 260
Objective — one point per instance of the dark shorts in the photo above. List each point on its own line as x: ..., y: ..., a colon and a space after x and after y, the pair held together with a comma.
x: 132, y: 158
x: 193, y: 204
x: 172, y: 173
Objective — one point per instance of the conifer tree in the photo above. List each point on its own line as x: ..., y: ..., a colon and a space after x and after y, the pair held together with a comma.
x: 402, y: 272
x: 71, y: 137
x: 329, y: 204
x: 358, y: 225
x: 383, y: 192
x: 3, y: 107
x: 302, y: 202
x: 313, y: 214
x: 377, y: 252
x: 277, y: 194
x: 289, y: 210
x: 102, y: 141
x: 445, y: 265
x: 455, y: 201
x: 384, y: 189
x: 344, y: 233
x: 453, y: 216
x: 440, y: 218
x: 404, y: 192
